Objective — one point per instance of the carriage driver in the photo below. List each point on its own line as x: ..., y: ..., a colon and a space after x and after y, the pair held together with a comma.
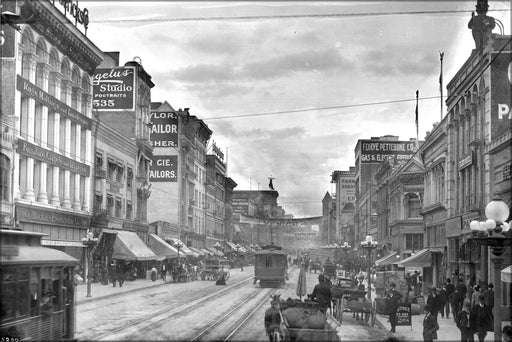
x: 322, y: 294
x: 273, y: 317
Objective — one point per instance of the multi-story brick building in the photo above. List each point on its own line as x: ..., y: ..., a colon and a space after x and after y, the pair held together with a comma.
x: 47, y: 70
x: 215, y: 197
x: 345, y: 199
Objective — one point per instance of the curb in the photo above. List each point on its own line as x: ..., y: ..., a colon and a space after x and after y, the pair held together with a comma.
x: 111, y: 295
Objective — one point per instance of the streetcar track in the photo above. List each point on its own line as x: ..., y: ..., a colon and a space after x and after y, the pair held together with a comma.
x: 154, y: 318
x: 231, y: 313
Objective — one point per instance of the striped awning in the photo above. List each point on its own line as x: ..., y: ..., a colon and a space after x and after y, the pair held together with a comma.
x: 129, y: 246
x: 421, y: 259
x: 161, y: 248
x: 232, y: 247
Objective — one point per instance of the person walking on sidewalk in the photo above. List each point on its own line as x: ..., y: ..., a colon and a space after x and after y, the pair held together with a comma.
x: 112, y: 270
x: 393, y: 299
x: 450, y: 296
x: 465, y: 324
x: 489, y: 296
x: 474, y: 296
x: 483, y: 318
x: 430, y: 325
x: 153, y: 273
x: 434, y: 301
x: 460, y: 294
x: 164, y: 271
x: 443, y: 300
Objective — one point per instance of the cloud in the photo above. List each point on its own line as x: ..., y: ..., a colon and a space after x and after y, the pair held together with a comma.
x: 394, y: 62
x: 204, y: 73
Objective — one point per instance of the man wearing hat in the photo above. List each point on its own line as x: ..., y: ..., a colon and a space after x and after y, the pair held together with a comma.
x: 393, y: 299
x: 435, y: 302
x: 430, y: 325
x: 322, y: 294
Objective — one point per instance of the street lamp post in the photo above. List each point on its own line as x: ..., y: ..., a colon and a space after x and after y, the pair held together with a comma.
x: 491, y: 233
x: 369, y: 244
x: 345, y: 247
x: 89, y: 241
x: 178, y: 246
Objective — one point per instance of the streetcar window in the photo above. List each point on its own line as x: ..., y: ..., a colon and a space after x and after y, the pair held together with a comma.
x: 268, y: 261
x: 15, y: 293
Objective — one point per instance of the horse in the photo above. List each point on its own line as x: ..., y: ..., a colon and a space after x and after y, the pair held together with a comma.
x: 274, y: 322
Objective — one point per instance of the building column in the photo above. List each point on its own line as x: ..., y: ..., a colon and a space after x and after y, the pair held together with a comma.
x: 55, y: 200
x: 67, y: 174
x: 43, y: 194
x: 78, y: 138
x: 89, y: 159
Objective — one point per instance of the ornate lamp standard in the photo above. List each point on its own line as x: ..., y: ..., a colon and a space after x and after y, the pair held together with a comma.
x: 369, y: 244
x: 345, y: 247
x: 178, y: 246
x: 89, y: 241
x: 491, y: 233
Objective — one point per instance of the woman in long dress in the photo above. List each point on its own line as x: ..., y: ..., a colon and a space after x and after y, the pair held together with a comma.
x: 221, y: 279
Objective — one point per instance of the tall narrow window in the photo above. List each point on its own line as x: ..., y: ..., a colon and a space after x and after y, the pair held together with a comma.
x: 5, y: 172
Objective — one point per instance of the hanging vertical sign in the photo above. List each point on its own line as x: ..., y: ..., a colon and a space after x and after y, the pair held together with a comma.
x: 164, y: 129
x: 113, y: 89
x: 501, y: 88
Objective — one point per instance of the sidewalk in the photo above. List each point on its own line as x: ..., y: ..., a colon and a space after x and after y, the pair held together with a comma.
x: 99, y: 291
x: 448, y: 330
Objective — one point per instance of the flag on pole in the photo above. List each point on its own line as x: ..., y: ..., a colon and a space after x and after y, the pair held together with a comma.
x: 441, y: 55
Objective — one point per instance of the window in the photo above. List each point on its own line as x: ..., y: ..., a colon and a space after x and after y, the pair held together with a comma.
x: 99, y: 159
x: 112, y: 167
x: 414, y: 241
x: 118, y: 206
x: 15, y: 293
x: 129, y: 178
x: 5, y: 172
x: 129, y: 209
x: 98, y: 199
x: 110, y: 205
x: 119, y: 173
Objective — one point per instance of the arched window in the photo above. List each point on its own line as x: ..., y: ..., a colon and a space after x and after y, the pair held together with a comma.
x: 86, y: 95
x: 54, y: 67
x: 75, y: 77
x: 413, y: 205
x: 5, y: 179
x: 65, y: 70
x: 28, y: 44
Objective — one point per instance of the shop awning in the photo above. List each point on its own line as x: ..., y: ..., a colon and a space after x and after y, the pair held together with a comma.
x: 389, y: 259
x: 128, y: 246
x: 207, y: 252
x: 214, y: 251
x: 506, y: 274
x: 422, y: 258
x: 197, y: 250
x: 34, y: 255
x: 161, y: 248
x: 184, y: 250
x: 231, y: 247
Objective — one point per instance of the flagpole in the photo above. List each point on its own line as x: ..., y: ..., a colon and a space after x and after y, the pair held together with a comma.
x: 417, y: 126
x: 441, y: 55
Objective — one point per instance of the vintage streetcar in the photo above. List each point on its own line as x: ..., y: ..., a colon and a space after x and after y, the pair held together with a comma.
x: 270, y: 266
x: 37, y: 297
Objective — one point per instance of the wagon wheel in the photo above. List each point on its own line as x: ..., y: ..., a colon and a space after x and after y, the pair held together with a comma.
x: 374, y: 309
x: 227, y: 275
x: 339, y: 310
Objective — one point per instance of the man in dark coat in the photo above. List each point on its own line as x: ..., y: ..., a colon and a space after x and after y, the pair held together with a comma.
x: 430, y: 325
x: 489, y: 296
x: 322, y: 294
x: 435, y: 302
x: 450, y: 298
x: 393, y: 299
x: 483, y: 318
x: 460, y: 294
x: 465, y: 324
x: 444, y: 300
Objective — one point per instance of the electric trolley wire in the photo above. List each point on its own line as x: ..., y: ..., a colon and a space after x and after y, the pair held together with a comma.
x: 286, y: 16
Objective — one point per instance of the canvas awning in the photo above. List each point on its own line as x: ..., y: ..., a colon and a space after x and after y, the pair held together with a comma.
x: 129, y: 246
x: 161, y: 248
x: 197, y: 250
x: 183, y: 249
x: 35, y: 255
x: 506, y: 274
x: 423, y: 258
x: 214, y: 251
x: 231, y: 246
x: 207, y: 252
x: 389, y: 259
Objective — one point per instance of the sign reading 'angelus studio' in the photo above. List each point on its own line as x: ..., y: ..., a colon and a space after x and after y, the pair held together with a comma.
x: 114, y: 89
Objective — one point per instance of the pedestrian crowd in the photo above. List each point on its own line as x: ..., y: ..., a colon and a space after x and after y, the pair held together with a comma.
x: 470, y: 305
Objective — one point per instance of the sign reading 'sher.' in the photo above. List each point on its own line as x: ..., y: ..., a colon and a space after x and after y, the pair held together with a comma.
x: 163, y: 169
x: 113, y: 89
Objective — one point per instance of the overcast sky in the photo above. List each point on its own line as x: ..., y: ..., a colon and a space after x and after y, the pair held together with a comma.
x: 227, y: 67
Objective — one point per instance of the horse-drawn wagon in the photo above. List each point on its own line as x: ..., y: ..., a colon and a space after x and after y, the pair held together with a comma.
x: 315, y: 266
x: 303, y: 321
x: 347, y: 297
x: 212, y: 267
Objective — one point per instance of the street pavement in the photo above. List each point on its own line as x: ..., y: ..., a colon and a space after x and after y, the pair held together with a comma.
x: 99, y: 291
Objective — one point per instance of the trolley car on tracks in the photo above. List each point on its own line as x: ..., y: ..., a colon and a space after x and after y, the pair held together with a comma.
x: 271, y: 266
x: 37, y: 290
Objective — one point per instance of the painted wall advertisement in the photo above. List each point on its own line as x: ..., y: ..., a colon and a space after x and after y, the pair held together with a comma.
x: 113, y: 89
x: 164, y: 129
x: 378, y: 151
x: 163, y: 169
x: 501, y: 88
